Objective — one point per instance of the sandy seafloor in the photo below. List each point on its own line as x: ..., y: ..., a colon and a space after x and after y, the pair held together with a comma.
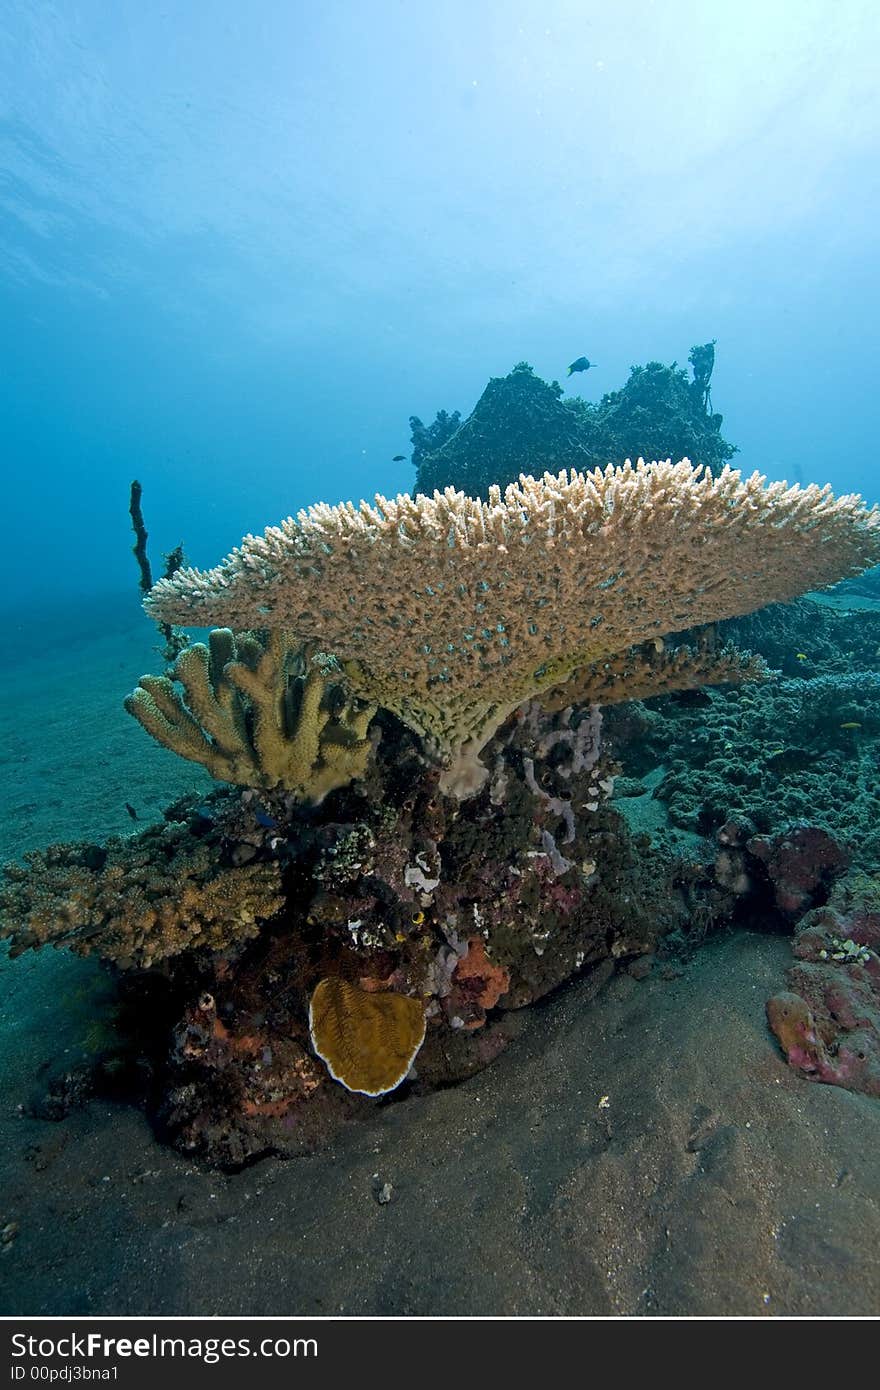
x: 713, y: 1181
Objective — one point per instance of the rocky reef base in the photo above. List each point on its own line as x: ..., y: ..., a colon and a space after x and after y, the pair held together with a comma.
x: 476, y: 908
x: 599, y: 843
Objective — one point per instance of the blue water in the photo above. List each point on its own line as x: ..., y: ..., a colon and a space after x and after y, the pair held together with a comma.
x: 239, y: 246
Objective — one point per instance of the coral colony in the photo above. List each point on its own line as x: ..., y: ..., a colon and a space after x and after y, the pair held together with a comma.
x: 403, y: 703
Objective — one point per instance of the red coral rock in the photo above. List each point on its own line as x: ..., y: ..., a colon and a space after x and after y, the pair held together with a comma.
x: 798, y: 862
x: 477, y: 985
x: 829, y: 1024
x: 791, y: 1019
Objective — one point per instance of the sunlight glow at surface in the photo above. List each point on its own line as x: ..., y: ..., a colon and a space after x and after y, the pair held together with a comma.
x: 238, y: 250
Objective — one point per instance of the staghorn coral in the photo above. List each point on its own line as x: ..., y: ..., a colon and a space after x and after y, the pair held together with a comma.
x: 137, y: 900
x: 368, y: 1040
x: 450, y: 611
x: 250, y: 718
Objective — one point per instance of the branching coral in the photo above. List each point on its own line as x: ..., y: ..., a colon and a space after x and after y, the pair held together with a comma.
x: 138, y: 900
x: 249, y: 718
x: 450, y: 611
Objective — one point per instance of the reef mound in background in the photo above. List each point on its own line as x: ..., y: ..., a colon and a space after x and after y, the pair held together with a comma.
x: 659, y: 413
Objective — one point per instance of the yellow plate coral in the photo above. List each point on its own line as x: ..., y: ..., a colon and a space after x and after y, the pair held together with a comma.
x: 367, y: 1041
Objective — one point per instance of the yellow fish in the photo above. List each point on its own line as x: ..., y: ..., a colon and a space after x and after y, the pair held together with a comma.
x: 851, y: 724
x: 801, y: 656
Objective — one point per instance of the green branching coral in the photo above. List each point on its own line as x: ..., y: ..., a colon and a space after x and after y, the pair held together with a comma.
x: 259, y: 712
x: 778, y: 753
x: 136, y: 901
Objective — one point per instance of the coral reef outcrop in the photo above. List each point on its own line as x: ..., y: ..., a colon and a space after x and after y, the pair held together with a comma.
x: 418, y: 709
x: 778, y: 753
x: 457, y: 913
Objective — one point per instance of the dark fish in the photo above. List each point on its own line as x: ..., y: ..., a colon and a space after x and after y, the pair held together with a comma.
x: 581, y: 364
x: 131, y: 811
x: 398, y: 458
x: 264, y: 819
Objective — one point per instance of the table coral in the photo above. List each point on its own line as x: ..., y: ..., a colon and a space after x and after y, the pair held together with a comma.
x: 640, y: 673
x: 450, y: 611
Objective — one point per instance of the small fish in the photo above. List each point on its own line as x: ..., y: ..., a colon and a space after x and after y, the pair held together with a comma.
x: 264, y: 819
x: 851, y: 724
x: 581, y: 364
x: 801, y: 656
x: 398, y: 458
x: 131, y: 811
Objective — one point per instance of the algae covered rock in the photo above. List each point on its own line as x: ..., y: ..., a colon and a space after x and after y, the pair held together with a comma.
x: 519, y: 424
